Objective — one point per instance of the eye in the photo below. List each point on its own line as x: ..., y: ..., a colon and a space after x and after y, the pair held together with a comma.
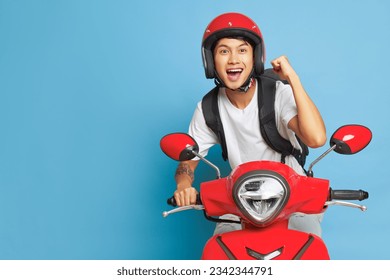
x: 223, y: 51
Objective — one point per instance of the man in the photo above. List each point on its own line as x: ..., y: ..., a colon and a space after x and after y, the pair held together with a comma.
x: 233, y: 54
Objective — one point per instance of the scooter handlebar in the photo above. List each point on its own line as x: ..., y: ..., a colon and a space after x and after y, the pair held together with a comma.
x: 348, y: 194
x: 172, y: 201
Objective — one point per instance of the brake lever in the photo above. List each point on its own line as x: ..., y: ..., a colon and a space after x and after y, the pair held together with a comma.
x: 183, y: 208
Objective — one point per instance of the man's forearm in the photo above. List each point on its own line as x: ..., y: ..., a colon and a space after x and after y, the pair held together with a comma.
x: 184, y: 175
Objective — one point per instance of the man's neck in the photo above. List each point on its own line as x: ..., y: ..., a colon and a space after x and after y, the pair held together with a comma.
x: 241, y: 99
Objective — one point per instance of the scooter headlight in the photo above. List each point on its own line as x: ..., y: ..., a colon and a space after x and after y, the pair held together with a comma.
x: 261, y: 195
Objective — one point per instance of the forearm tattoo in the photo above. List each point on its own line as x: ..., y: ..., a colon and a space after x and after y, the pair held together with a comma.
x: 184, y: 168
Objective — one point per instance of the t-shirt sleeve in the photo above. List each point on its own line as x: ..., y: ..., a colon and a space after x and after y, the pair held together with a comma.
x: 202, y: 134
x: 285, y: 110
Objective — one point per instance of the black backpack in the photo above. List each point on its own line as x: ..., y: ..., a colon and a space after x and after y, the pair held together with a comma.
x: 266, y: 99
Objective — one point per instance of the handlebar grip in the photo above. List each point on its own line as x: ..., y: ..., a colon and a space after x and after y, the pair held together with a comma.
x: 348, y: 194
x: 172, y: 201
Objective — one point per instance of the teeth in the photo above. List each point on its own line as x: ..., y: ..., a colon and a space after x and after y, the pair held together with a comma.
x: 234, y: 70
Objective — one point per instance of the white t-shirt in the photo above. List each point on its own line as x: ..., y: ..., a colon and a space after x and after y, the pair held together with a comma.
x: 242, y: 129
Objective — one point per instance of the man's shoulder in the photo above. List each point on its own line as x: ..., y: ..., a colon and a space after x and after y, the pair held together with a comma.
x: 282, y: 87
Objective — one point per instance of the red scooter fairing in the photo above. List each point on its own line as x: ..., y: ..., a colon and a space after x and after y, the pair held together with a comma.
x: 271, y: 243
x: 302, y: 194
x: 268, y: 238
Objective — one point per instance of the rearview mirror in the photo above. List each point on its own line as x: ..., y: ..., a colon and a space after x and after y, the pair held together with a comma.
x: 350, y: 139
x: 179, y: 146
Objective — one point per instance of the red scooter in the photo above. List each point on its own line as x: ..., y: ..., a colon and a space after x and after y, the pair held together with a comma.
x: 264, y: 194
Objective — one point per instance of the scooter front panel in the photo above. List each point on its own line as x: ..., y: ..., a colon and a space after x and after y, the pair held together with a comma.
x: 280, y: 244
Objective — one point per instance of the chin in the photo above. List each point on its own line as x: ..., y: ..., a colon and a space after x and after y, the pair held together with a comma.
x: 234, y: 86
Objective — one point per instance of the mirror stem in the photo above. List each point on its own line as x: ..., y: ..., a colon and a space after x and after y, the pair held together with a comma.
x: 310, y: 171
x: 209, y: 163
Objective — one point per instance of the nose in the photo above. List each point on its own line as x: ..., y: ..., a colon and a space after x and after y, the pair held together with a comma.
x: 234, y: 59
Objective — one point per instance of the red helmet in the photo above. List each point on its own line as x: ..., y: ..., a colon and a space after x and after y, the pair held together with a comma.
x: 232, y: 25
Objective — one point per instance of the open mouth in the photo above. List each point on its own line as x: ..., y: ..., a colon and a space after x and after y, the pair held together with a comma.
x: 234, y: 74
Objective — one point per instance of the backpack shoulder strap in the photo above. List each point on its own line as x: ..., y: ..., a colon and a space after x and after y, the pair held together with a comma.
x: 268, y: 129
x: 213, y: 119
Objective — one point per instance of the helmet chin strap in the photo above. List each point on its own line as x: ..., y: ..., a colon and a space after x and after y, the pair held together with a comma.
x: 243, y: 88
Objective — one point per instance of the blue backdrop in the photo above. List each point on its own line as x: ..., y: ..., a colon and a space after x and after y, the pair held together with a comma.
x: 88, y: 88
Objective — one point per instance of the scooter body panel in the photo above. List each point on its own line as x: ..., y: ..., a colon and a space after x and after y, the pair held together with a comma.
x: 265, y: 244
